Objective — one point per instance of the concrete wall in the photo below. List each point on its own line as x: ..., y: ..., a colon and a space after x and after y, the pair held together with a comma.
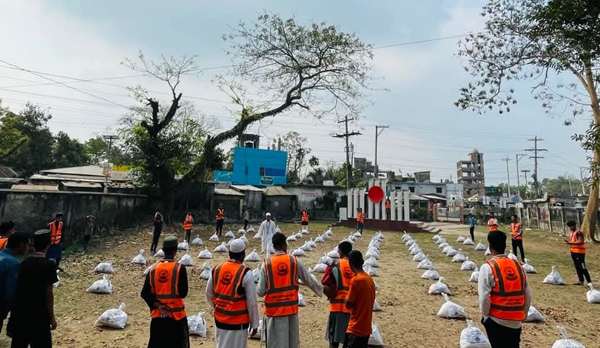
x: 307, y: 195
x: 32, y: 210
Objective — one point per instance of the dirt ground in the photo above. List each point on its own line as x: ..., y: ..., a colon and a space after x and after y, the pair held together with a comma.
x: 408, y: 318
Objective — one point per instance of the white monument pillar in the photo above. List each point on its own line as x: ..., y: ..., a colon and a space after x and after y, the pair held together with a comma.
x: 355, y: 193
x: 393, y: 205
x: 369, y: 203
x: 377, y: 206
x: 361, y: 199
x: 399, y: 208
x: 406, y: 205
x: 350, y: 200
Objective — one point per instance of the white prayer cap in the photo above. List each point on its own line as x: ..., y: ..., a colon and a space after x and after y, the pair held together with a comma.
x: 237, y: 246
x: 268, y: 214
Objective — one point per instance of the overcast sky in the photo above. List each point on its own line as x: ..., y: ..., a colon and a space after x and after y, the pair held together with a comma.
x: 416, y: 85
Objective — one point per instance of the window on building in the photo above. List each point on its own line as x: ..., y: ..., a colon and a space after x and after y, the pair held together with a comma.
x: 411, y: 189
x: 438, y: 190
x: 262, y: 171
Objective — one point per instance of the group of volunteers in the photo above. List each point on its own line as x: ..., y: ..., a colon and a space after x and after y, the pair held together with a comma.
x: 576, y: 243
x: 232, y: 294
x: 26, y: 288
x: 504, y: 292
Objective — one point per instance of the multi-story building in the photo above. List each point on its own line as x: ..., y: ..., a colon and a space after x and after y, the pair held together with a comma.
x: 471, y: 174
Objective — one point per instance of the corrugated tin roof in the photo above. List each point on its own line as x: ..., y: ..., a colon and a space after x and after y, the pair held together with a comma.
x: 276, y: 191
x: 414, y: 197
x: 245, y: 188
x: 75, y: 184
x: 7, y: 172
x: 35, y: 188
x: 227, y: 192
x: 86, y: 171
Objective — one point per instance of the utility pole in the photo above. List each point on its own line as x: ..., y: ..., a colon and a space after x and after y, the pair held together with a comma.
x: 378, y: 130
x: 507, y: 173
x: 347, y: 135
x: 581, y: 170
x: 525, y: 171
x: 518, y: 158
x: 570, y: 187
x: 110, y: 139
x: 535, y: 157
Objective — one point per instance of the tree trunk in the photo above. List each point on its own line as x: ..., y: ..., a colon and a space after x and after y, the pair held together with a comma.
x: 589, y: 221
x: 588, y: 227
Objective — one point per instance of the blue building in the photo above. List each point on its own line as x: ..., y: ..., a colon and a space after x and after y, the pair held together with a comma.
x: 253, y: 166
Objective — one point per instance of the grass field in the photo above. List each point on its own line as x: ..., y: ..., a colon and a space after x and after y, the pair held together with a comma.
x: 408, y: 318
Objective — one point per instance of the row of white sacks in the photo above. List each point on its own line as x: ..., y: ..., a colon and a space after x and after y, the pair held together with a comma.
x: 471, y: 337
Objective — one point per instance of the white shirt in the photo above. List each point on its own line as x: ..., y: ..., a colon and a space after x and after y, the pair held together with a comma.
x: 266, y: 231
x: 484, y: 287
x: 251, y: 303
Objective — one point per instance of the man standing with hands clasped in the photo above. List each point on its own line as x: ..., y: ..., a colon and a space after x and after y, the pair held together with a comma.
x: 266, y: 232
x: 504, y: 295
x: 231, y: 293
x: 165, y: 288
x: 516, y: 234
x: 577, y: 246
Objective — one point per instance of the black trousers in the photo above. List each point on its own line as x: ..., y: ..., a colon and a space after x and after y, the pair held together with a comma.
x: 502, y: 336
x: 352, y: 341
x: 359, y: 227
x: 168, y: 332
x: 187, y: 235
x: 220, y: 227
x: 518, y: 244
x: 388, y: 213
x: 245, y: 224
x: 472, y: 232
x: 155, y: 238
x: 580, y: 267
x: 35, y: 338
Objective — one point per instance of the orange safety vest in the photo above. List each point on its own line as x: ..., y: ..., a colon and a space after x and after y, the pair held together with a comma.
x: 492, y: 225
x: 164, y: 278
x: 388, y: 204
x: 230, y: 307
x: 345, y: 275
x: 508, y: 296
x: 56, y: 232
x: 3, y: 242
x: 220, y: 214
x: 360, y: 218
x: 304, y: 216
x: 282, y: 286
x: 187, y: 223
x: 515, y: 228
x: 577, y: 248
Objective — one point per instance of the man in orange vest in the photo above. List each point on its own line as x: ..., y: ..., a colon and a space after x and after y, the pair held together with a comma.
x: 492, y: 222
x: 577, y: 246
x: 504, y: 295
x: 305, y: 217
x: 165, y: 287
x: 279, y: 284
x: 7, y: 228
x: 516, y: 234
x: 336, y: 282
x: 220, y: 220
x: 56, y: 228
x: 360, y: 300
x: 388, y: 208
x: 231, y: 293
x: 187, y: 226
x: 360, y: 220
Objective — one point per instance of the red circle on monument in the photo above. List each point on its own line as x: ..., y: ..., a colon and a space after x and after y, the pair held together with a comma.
x: 375, y: 194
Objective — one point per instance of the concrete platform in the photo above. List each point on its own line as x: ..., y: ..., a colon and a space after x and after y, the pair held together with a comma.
x: 386, y: 225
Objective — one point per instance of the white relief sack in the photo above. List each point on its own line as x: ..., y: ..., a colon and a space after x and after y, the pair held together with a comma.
x: 115, y: 318
x: 451, y: 310
x: 473, y: 337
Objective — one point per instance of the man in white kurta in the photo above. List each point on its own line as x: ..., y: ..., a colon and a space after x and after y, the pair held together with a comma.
x: 266, y: 232
x: 284, y: 332
x: 229, y: 337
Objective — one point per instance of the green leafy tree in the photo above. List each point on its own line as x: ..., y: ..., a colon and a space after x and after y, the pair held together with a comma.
x: 97, y: 150
x: 297, y: 151
x: 11, y: 138
x: 36, y: 154
x: 69, y: 152
x: 546, y: 42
